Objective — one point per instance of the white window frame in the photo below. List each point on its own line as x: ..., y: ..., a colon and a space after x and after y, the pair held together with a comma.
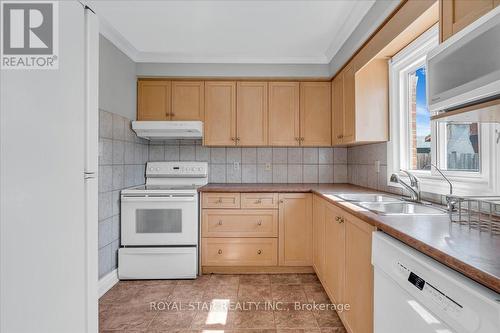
x: 484, y: 182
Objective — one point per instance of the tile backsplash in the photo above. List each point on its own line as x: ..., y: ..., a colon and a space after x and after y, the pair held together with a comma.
x: 122, y: 158
x: 258, y: 165
x: 362, y: 171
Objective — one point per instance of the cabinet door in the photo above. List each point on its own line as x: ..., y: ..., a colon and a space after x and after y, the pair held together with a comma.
x: 337, y: 109
x: 284, y: 116
x: 251, y: 113
x: 295, y: 229
x: 358, y: 275
x: 315, y: 114
x: 334, y: 253
x: 457, y: 14
x: 153, y: 100
x: 349, y: 97
x: 220, y: 113
x: 319, y: 236
x: 187, y: 100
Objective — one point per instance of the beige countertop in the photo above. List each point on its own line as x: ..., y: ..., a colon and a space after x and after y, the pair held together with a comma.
x: 474, y: 254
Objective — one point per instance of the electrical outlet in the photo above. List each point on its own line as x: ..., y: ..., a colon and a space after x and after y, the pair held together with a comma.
x: 236, y: 165
x: 268, y: 166
x: 377, y: 166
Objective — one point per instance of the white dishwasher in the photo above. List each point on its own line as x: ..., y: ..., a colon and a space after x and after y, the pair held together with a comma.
x: 416, y: 294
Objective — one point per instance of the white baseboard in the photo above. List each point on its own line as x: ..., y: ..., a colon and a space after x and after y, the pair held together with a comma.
x: 107, y: 282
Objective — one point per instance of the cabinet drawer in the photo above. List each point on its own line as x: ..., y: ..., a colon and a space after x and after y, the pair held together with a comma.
x: 239, y: 223
x: 259, y: 200
x: 239, y: 251
x: 221, y: 200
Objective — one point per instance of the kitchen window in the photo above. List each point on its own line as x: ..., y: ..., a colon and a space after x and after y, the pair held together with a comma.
x: 464, y: 151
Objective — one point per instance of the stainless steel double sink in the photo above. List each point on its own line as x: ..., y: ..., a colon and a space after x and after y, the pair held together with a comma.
x: 388, y: 205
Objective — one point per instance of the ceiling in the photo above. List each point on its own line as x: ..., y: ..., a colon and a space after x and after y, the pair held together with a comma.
x: 237, y: 31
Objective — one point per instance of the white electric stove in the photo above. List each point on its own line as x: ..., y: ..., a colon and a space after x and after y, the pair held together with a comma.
x: 159, y: 222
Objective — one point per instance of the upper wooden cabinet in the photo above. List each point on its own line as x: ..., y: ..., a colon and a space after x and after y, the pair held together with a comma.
x: 361, y: 104
x: 235, y: 113
x: 251, y: 113
x: 187, y: 100
x: 457, y: 14
x: 284, y: 116
x: 153, y: 100
x: 220, y: 113
x: 337, y: 109
x: 299, y: 114
x: 295, y: 229
x: 315, y: 114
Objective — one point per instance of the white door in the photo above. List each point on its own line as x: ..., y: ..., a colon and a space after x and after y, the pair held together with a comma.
x: 44, y: 252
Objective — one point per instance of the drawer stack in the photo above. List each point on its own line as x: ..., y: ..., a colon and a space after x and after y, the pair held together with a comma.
x: 239, y: 229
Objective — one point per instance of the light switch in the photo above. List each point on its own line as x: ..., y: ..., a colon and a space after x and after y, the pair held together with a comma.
x: 236, y: 165
x: 268, y: 166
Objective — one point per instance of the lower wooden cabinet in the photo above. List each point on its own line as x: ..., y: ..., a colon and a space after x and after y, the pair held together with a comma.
x: 358, y: 281
x: 295, y: 229
x: 348, y: 274
x: 269, y: 232
x: 335, y: 259
x: 239, y: 251
x: 239, y: 223
x: 319, y: 236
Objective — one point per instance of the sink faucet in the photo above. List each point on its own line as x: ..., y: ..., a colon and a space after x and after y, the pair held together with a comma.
x: 413, y: 187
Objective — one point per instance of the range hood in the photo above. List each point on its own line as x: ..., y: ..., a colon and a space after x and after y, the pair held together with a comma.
x: 164, y: 130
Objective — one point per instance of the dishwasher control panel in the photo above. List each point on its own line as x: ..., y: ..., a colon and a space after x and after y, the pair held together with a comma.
x: 443, y: 301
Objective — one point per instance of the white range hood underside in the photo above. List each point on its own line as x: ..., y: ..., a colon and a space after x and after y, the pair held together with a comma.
x: 164, y: 130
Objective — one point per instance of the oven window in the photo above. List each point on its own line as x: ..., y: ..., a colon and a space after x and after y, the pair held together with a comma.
x: 150, y: 221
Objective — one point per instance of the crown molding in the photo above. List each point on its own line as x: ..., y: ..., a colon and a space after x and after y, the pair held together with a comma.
x: 118, y: 40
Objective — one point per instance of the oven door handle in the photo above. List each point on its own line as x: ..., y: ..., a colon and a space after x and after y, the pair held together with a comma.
x: 157, y: 199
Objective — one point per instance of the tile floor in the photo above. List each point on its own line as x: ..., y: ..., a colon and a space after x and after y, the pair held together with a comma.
x: 219, y: 303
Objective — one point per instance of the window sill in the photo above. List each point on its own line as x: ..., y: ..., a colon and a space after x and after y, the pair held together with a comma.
x: 461, y: 185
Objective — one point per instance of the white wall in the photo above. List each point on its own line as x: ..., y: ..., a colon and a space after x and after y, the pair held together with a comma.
x: 117, y: 80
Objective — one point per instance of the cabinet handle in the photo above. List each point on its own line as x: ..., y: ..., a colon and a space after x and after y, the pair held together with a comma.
x: 259, y: 222
x: 337, y: 218
x: 259, y: 252
x: 258, y: 201
x: 172, y: 114
x: 233, y: 138
x: 219, y: 201
x: 297, y: 139
x: 238, y: 138
x: 341, y: 220
x: 302, y: 139
x: 220, y: 251
x: 339, y: 136
x: 220, y: 222
x: 281, y: 201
